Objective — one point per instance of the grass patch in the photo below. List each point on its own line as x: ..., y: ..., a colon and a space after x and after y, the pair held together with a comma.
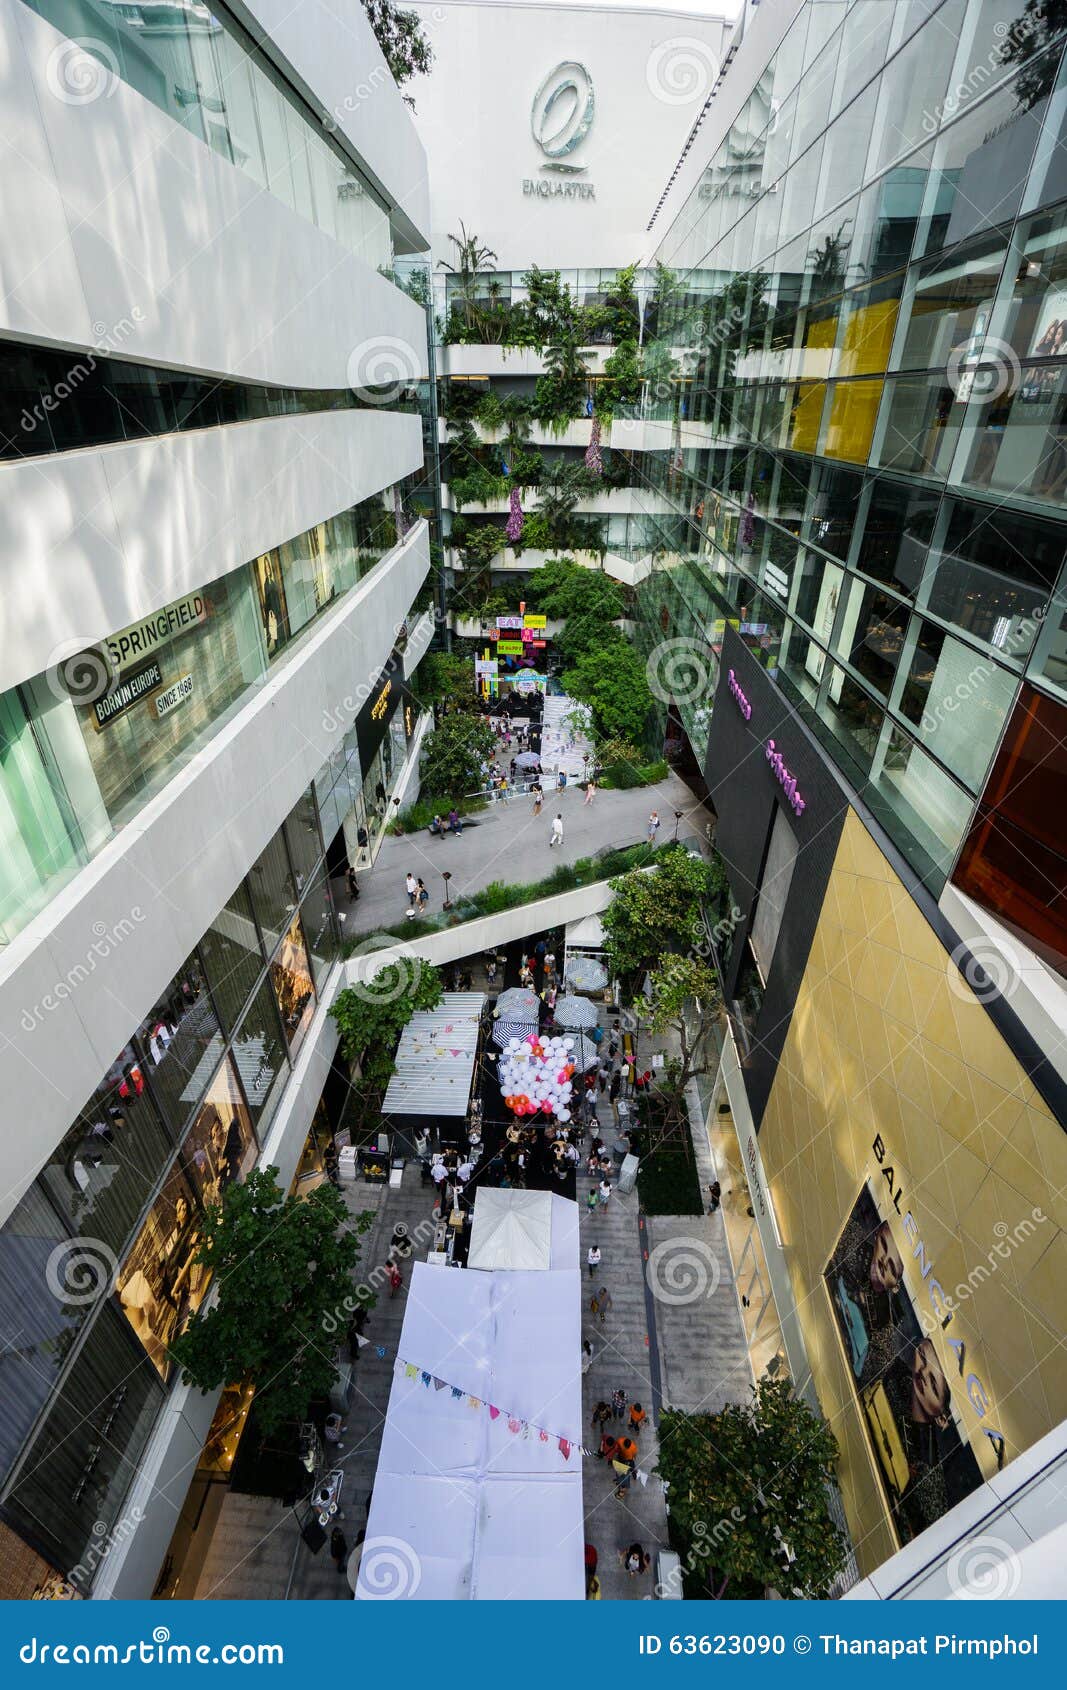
x: 417, y: 817
x: 667, y: 1182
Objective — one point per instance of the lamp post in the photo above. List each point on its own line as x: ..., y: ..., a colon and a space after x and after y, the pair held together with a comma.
x: 446, y: 876
x: 678, y: 814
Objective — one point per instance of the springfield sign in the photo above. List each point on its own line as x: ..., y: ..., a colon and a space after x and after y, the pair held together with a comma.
x: 134, y: 644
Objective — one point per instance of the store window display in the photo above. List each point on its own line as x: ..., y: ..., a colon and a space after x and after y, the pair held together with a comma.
x: 161, y: 1285
x: 291, y: 977
x: 220, y: 1146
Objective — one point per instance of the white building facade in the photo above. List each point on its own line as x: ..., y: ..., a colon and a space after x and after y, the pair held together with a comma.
x: 213, y: 589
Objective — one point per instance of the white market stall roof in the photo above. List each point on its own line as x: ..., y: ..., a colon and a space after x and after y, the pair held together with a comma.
x: 464, y: 1508
x: 587, y: 933
x: 435, y: 1058
x: 523, y: 1231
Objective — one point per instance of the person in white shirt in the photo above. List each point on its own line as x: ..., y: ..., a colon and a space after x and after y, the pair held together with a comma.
x: 412, y: 888
x: 557, y: 832
x: 593, y: 1259
x: 464, y: 1172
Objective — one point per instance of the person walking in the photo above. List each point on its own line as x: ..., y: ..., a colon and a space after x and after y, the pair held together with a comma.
x: 593, y: 1259
x: 561, y: 781
x: 638, y: 1419
x: 603, y: 1192
x: 591, y: 1201
x: 613, y: 1092
x: 412, y: 887
x: 653, y: 827
x: 396, y: 1278
x: 601, y: 1415
x: 618, y: 1404
x: 590, y: 790
x: 600, y: 1304
x: 338, y: 1549
x: 715, y: 1196
x: 422, y: 895
x: 537, y: 793
x: 557, y: 833
x: 636, y: 1559
x: 505, y: 791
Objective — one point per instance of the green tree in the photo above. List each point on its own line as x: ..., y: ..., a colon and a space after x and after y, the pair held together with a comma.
x: 610, y: 677
x: 370, y: 1017
x: 284, y: 1268
x: 453, y: 758
x: 445, y: 678
x: 653, y: 913
x: 748, y: 1492
x: 686, y: 1001
x: 472, y: 259
x: 402, y: 39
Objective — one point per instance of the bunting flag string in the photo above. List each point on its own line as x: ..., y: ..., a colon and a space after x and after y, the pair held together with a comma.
x: 516, y: 1425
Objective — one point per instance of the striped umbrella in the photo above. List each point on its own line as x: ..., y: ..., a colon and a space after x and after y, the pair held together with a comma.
x: 574, y: 1012
x: 518, y: 1003
x: 504, y: 1030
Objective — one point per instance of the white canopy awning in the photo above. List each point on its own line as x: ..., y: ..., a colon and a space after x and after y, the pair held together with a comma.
x: 435, y: 1059
x: 522, y: 1231
x: 465, y: 1508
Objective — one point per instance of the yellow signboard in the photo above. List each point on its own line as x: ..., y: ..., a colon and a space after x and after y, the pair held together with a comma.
x: 535, y: 621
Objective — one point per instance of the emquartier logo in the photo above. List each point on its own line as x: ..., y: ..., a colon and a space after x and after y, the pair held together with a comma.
x: 561, y: 117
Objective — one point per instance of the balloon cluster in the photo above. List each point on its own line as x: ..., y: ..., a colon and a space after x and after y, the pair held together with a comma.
x: 535, y: 1076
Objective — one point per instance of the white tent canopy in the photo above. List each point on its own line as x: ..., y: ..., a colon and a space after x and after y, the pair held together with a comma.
x: 523, y: 1231
x: 464, y: 1508
x: 435, y: 1059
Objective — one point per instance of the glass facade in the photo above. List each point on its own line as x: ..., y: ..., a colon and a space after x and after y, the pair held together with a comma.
x: 97, y: 1263
x: 59, y: 401
x: 84, y: 746
x: 867, y: 323
x: 200, y: 68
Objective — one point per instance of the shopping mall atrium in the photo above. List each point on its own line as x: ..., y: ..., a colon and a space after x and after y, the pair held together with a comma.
x: 581, y: 1016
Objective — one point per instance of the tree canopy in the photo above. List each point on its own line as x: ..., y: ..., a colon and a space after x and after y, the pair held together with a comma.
x: 371, y: 1016
x: 610, y: 677
x: 453, y: 757
x: 284, y: 1268
x: 402, y: 39
x: 748, y: 1492
x: 658, y: 910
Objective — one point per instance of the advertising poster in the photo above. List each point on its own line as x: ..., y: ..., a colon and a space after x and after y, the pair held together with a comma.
x: 902, y: 1386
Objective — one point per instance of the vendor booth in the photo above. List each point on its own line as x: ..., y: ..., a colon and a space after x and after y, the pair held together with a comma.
x: 478, y: 1492
x: 428, y: 1098
x: 524, y: 1231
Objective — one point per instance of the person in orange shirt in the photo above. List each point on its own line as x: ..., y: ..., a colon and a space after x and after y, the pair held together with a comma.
x: 626, y: 1450
x: 638, y: 1418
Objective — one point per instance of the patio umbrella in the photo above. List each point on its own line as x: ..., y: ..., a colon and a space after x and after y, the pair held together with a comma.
x: 583, y: 1053
x: 574, y: 1012
x: 527, y: 760
x: 518, y: 1003
x: 504, y: 1030
x: 586, y: 973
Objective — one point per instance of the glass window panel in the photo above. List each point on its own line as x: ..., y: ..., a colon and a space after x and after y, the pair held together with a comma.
x: 273, y: 892
x: 320, y: 915
x: 75, y: 1476
x: 259, y: 1052
x: 106, y: 1168
x: 37, y: 1324
x: 38, y: 843
x: 1019, y: 439
x: 920, y: 797
x: 245, y: 144
x: 853, y: 410
x: 896, y: 534
x: 980, y: 168
x: 1001, y: 36
x: 232, y: 956
x: 291, y: 976
x: 951, y: 308
x: 864, y: 40
x: 801, y: 662
x: 160, y: 1285
x: 912, y: 85
x: 993, y: 575
x: 922, y: 425
x: 220, y: 1146
x: 852, y: 716
x: 302, y: 832
x: 818, y: 590
x: 274, y: 135
x: 958, y: 702
x: 888, y: 216
x: 871, y: 635
x: 181, y: 1045
x: 832, y: 518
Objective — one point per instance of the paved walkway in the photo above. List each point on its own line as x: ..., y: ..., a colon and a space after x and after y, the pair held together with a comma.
x: 509, y: 844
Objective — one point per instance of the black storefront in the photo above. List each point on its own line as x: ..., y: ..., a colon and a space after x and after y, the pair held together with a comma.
x: 781, y: 808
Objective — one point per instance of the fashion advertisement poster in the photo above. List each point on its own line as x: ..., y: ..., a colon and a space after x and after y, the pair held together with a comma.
x: 1050, y: 331
x: 905, y: 1397
x: 272, y: 609
x: 161, y: 1285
